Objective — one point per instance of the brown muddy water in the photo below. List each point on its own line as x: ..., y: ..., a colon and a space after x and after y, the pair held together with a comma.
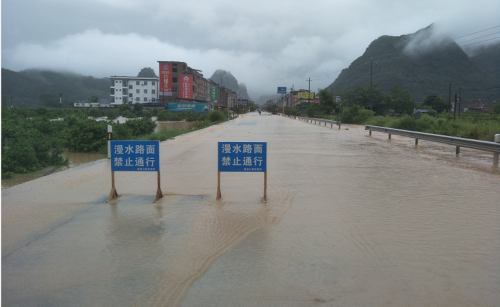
x: 351, y: 220
x: 74, y: 159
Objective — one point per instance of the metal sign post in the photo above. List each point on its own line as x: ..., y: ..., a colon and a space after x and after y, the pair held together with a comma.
x: 134, y: 156
x: 242, y: 157
x: 110, y: 136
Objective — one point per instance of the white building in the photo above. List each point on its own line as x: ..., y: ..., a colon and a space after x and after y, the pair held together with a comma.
x: 133, y: 89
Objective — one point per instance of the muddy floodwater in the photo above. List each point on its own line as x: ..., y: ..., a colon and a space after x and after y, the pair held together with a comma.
x: 351, y: 220
x: 74, y: 159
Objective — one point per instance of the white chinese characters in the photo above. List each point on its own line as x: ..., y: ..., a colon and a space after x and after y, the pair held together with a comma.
x: 242, y: 156
x: 135, y: 155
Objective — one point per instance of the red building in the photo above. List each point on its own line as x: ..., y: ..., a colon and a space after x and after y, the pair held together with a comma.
x: 178, y: 82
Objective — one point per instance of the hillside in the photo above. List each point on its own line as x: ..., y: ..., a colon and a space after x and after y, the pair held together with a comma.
x: 421, y: 63
x: 225, y: 78
x: 34, y: 88
x: 488, y: 60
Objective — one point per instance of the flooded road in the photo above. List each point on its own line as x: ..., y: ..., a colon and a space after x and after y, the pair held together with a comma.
x: 351, y: 220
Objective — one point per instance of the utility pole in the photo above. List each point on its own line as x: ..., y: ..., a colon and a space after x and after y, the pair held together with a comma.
x: 60, y: 101
x: 449, y: 100
x: 455, y: 108
x: 459, y: 101
x: 309, y: 97
x: 371, y: 83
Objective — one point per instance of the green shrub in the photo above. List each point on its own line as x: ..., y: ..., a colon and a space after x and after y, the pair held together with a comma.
x: 363, y: 116
x: 216, y: 116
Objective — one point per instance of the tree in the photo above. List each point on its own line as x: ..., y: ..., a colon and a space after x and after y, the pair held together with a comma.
x: 312, y: 110
x: 49, y: 100
x: 401, y: 100
x: 361, y: 96
x: 436, y: 103
x: 238, y: 109
x: 327, y: 102
x: 138, y: 107
x: 252, y: 106
x: 496, y: 109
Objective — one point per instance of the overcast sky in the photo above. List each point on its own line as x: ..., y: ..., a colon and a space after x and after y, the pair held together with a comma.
x: 263, y: 43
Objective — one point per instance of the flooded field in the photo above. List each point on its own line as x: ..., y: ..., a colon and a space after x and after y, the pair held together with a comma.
x: 351, y: 220
x: 74, y: 159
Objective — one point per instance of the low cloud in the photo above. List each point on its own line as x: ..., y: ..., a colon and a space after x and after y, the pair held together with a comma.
x: 264, y: 43
x: 111, y: 54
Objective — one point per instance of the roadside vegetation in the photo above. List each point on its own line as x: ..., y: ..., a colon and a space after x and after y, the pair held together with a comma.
x: 36, y: 137
x: 396, y: 110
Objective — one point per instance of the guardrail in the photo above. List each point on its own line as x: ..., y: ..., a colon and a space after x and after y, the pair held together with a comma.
x: 451, y: 140
x: 320, y: 120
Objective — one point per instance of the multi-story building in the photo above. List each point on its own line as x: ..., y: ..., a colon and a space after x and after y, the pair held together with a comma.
x: 126, y: 89
x: 178, y: 82
x: 227, y: 98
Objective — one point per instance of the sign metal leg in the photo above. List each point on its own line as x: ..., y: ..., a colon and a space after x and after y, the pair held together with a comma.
x: 113, y: 194
x: 265, y: 186
x: 159, y: 193
x: 219, y: 195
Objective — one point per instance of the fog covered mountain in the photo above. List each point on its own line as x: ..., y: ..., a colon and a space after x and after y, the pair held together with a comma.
x: 225, y: 78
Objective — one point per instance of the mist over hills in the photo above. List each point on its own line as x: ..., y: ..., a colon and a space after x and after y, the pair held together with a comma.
x: 487, y: 59
x: 33, y: 87
x: 36, y: 88
x: 424, y: 63
x: 225, y: 78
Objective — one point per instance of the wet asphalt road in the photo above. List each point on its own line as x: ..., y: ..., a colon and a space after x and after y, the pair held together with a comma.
x: 351, y: 220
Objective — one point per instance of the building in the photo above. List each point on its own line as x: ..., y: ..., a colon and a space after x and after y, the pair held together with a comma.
x: 126, y: 89
x: 227, y: 98
x: 179, y: 82
x: 476, y: 105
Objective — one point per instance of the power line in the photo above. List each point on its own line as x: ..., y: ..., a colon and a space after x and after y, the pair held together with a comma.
x: 479, y: 37
x: 480, y: 42
x: 477, y: 32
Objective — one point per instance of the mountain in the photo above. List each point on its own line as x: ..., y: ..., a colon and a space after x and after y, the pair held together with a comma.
x: 487, y: 59
x: 266, y: 97
x: 32, y: 87
x: 147, y: 72
x: 423, y: 63
x: 225, y: 78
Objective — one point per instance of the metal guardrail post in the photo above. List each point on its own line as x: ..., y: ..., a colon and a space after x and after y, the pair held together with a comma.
x: 458, y: 142
x: 496, y: 154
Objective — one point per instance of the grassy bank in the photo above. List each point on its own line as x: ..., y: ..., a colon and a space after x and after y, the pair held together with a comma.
x: 462, y: 127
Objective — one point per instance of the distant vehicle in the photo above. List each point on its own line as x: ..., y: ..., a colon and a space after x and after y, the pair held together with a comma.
x: 275, y: 112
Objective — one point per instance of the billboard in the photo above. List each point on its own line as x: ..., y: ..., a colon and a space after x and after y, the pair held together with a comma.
x: 165, y: 79
x: 281, y: 90
x: 306, y: 95
x: 186, y: 86
x: 214, y: 93
x: 243, y: 102
x: 177, y: 107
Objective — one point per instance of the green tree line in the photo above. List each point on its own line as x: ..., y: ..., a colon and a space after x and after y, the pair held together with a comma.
x: 36, y: 137
x: 362, y: 106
